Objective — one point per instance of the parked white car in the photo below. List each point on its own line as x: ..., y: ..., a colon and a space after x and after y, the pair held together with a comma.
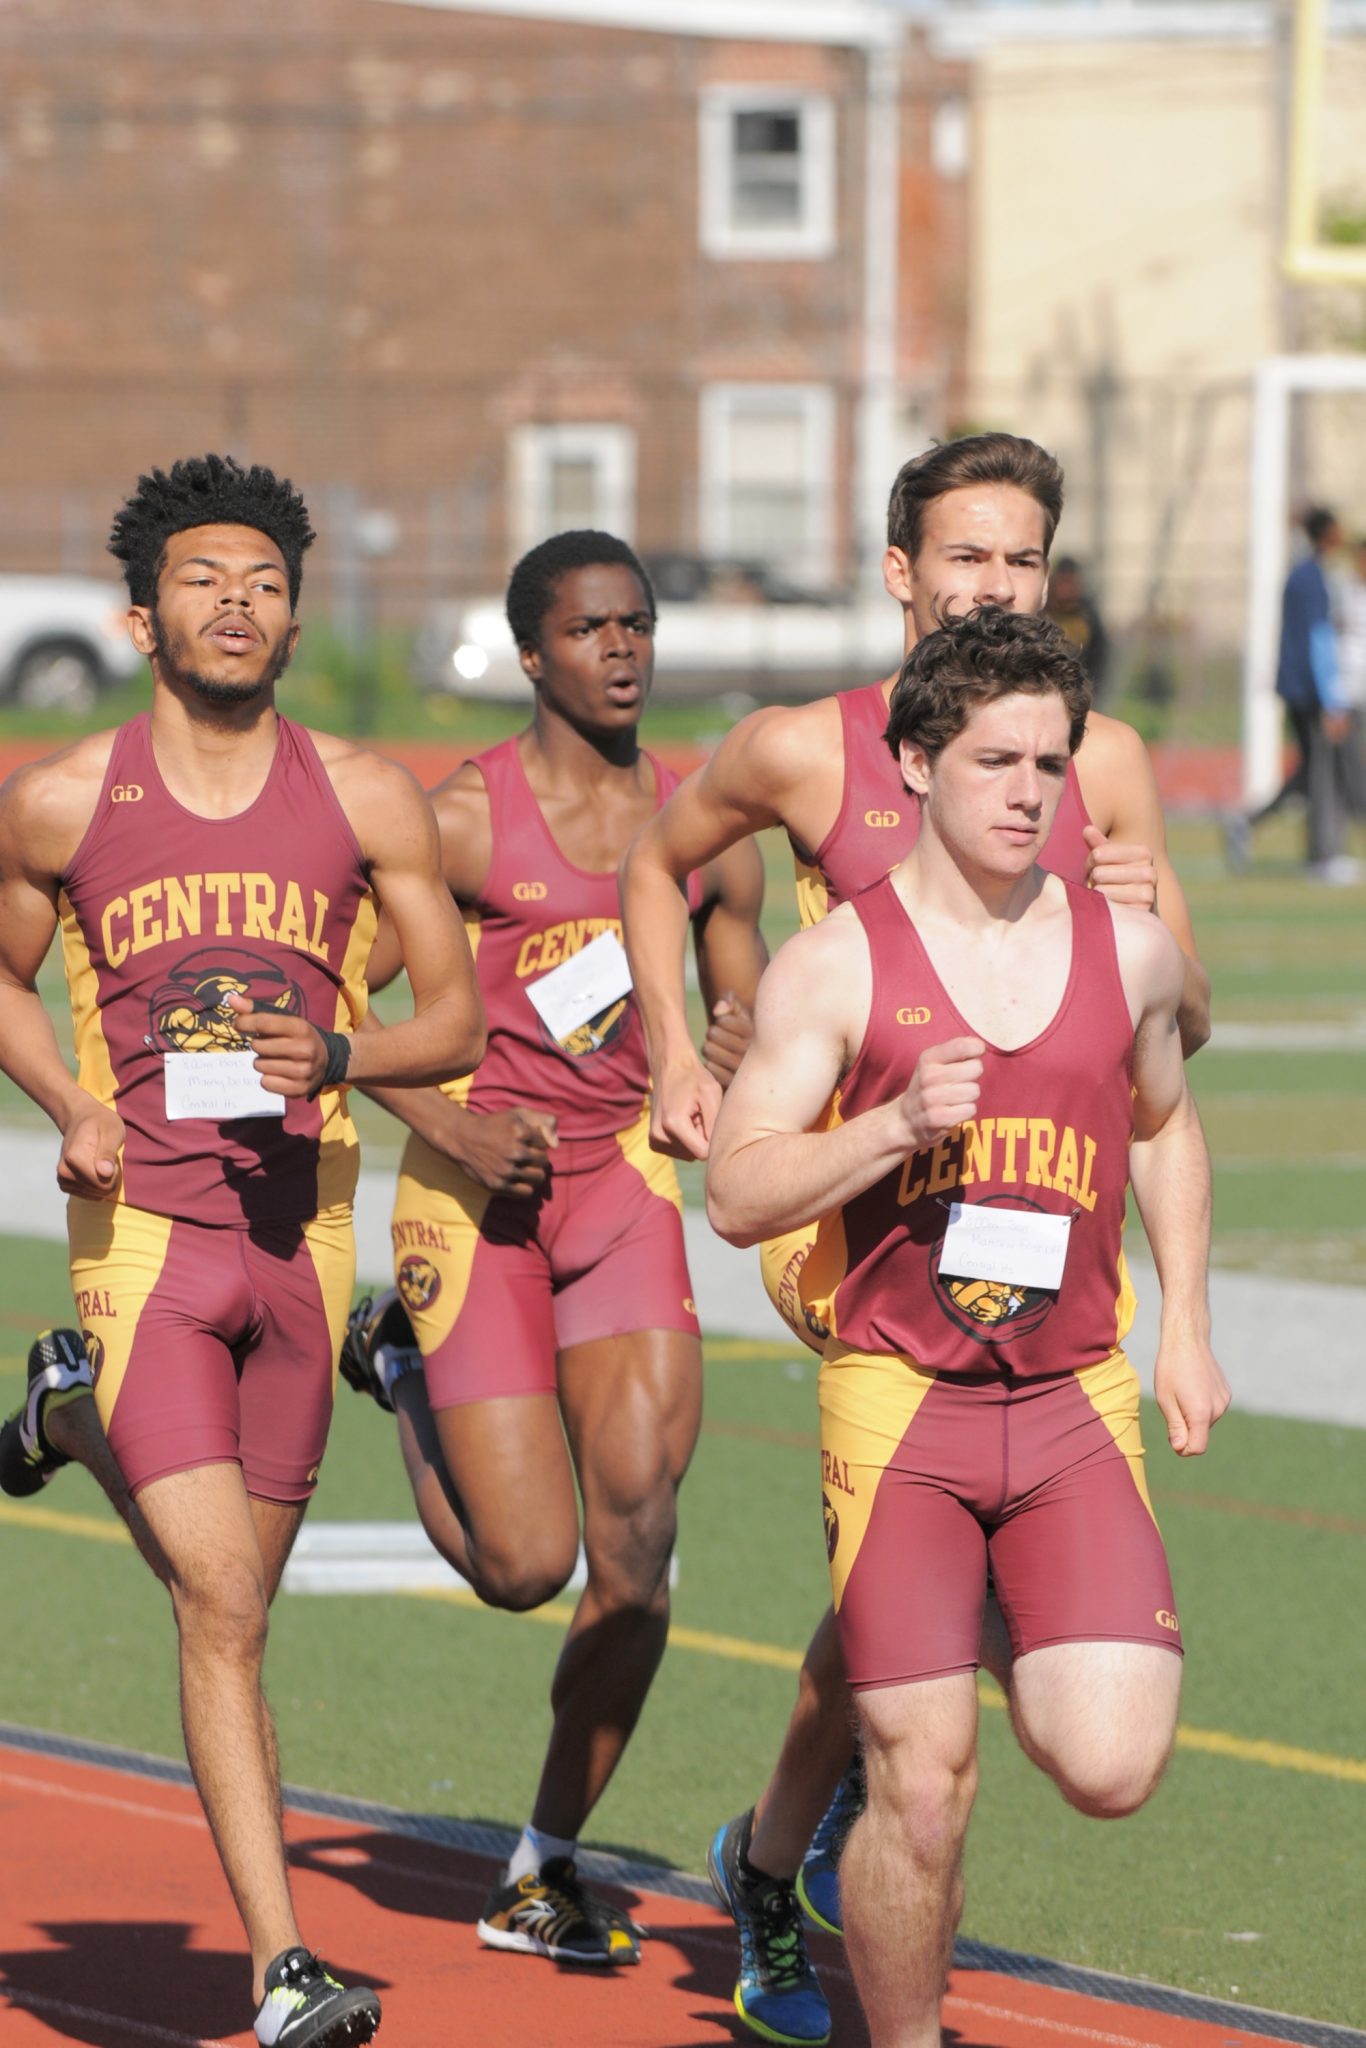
x: 773, y: 652
x: 63, y: 639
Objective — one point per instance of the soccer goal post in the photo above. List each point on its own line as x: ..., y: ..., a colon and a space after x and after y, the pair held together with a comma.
x: 1278, y: 380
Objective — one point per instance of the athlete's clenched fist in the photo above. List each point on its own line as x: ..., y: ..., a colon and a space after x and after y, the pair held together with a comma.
x: 943, y: 1090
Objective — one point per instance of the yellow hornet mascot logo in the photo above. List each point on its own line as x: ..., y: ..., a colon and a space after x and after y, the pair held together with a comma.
x: 190, y: 1012
x: 419, y: 1283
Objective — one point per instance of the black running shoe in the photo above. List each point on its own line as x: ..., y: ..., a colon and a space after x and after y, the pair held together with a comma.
x: 378, y: 1348
x: 58, y: 1373
x: 304, y: 2007
x: 548, y: 1913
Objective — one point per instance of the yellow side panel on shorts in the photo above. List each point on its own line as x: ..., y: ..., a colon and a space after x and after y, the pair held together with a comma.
x: 338, y: 1145
x: 813, y: 898
x: 95, y: 1069
x: 437, y: 1213
x: 1112, y: 1389
x: 101, y: 1235
x: 459, y: 1091
x: 868, y: 1402
x: 331, y: 1241
x: 656, y: 1169
x: 1126, y: 1301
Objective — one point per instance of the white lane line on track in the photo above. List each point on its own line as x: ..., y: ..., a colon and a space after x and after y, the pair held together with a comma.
x: 1054, y: 2028
x: 143, y: 1812
x: 63, y: 2010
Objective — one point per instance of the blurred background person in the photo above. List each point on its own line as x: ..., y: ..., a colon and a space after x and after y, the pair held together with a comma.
x: 1308, y: 682
x: 1071, y: 606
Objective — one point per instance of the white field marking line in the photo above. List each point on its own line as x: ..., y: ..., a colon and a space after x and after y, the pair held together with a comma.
x: 1051, y: 2027
x: 179, y: 1820
x: 64, y: 2011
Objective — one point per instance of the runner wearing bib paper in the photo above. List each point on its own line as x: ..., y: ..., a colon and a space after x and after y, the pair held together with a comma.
x: 1005, y: 1055
x: 538, y: 1241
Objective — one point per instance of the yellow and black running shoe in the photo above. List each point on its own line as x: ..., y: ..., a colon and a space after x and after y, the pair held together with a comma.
x: 548, y: 1913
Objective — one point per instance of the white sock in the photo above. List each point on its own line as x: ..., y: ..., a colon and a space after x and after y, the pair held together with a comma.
x: 534, y: 1849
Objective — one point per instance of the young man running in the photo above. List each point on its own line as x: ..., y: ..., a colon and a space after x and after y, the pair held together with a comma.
x: 969, y: 524
x: 538, y: 1241
x: 215, y: 870
x: 1008, y: 1058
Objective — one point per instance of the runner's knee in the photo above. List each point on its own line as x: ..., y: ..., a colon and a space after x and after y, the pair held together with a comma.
x: 522, y: 1570
x: 925, y: 1798
x: 1110, y: 1787
x: 629, y: 1548
x: 225, y: 1613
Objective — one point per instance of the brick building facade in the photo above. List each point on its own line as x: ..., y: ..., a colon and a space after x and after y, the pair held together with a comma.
x: 484, y: 272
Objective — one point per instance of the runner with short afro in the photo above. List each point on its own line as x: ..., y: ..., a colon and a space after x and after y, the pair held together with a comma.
x: 207, y: 490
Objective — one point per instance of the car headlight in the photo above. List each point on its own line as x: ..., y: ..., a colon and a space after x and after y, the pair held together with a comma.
x: 469, y: 662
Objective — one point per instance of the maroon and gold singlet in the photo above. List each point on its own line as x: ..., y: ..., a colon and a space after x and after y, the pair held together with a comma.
x: 164, y: 913
x: 878, y: 821
x: 1051, y: 1132
x: 535, y: 911
x: 496, y: 1285
x: 213, y: 1289
x: 877, y: 825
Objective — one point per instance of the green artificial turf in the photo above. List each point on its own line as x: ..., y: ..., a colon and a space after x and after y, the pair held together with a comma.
x: 440, y: 1707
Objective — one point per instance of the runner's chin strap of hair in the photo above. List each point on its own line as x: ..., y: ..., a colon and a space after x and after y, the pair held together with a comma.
x: 337, y: 1046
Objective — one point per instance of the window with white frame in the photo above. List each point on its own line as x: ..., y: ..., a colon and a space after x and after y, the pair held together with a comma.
x: 767, y: 172
x: 571, y: 475
x: 768, y: 476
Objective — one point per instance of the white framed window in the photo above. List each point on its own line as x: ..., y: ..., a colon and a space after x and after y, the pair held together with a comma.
x: 573, y: 474
x: 768, y: 476
x: 767, y: 172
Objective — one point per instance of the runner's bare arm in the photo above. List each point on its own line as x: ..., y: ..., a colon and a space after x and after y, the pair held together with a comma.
x: 397, y: 835
x: 43, y: 814
x: 1129, y: 862
x: 744, y: 788
x: 462, y: 816
x: 731, y: 955
x: 768, y: 1171
x: 1170, y: 1170
x: 508, y: 1152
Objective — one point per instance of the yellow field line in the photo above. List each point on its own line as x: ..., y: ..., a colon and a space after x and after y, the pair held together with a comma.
x: 65, y: 1525
x: 1275, y: 1756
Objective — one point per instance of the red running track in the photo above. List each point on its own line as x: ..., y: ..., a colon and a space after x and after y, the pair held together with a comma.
x: 116, y: 1931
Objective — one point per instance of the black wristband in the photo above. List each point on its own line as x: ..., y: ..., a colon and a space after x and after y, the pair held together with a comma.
x: 337, y: 1046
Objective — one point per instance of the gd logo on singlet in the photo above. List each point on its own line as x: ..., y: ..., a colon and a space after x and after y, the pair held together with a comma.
x: 880, y: 820
x: 919, y: 1015
x: 529, y: 892
x: 126, y: 793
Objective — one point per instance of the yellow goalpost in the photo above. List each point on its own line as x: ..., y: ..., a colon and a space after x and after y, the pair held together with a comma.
x: 1307, y: 258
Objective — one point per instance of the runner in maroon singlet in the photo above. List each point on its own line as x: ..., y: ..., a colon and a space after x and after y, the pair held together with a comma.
x: 1007, y: 1056
x: 216, y: 872
x: 968, y: 524
x: 538, y: 1242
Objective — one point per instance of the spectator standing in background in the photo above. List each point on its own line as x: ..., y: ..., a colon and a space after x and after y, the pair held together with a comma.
x: 1308, y: 680
x: 1071, y: 607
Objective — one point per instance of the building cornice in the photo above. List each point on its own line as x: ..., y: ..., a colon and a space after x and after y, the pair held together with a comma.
x: 857, y: 24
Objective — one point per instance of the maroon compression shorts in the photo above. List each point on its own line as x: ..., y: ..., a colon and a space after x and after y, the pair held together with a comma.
x: 926, y: 1478
x: 497, y: 1285
x: 212, y: 1345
